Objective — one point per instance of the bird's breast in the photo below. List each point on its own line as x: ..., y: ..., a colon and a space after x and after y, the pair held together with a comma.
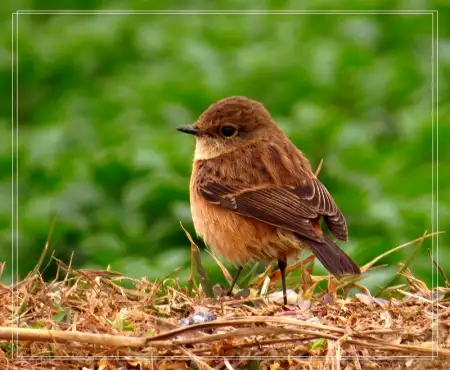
x: 237, y: 238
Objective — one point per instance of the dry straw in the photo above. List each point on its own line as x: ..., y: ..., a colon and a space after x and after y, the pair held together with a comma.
x: 86, y: 313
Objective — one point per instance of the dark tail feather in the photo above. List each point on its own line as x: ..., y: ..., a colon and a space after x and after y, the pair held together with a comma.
x: 332, y: 257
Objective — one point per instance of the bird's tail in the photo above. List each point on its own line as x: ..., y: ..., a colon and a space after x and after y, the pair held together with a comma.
x: 332, y: 257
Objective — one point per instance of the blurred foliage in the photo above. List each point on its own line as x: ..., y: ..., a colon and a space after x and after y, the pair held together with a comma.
x: 100, y: 95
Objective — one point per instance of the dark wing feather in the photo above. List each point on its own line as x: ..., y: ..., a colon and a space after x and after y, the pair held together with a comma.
x: 285, y: 192
x: 327, y: 208
x: 290, y: 208
x: 275, y: 206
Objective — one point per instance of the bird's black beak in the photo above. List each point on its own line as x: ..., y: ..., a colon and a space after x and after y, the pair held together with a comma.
x: 189, y: 129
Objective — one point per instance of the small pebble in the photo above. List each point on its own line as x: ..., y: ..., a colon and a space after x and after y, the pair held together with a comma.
x: 304, y: 305
x: 365, y: 298
x: 197, y: 318
x: 292, y: 297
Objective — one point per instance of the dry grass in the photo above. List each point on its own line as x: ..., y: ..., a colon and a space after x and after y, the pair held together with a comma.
x: 85, y: 313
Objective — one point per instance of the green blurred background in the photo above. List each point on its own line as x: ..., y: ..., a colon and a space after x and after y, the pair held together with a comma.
x: 100, y: 97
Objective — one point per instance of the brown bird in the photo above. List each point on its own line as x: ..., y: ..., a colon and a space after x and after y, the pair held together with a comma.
x: 253, y: 194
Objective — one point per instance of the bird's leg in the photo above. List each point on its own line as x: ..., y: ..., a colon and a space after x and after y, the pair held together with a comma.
x: 230, y: 290
x: 282, y: 266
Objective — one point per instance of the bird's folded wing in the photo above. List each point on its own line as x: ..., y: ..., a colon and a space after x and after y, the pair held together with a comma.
x: 287, y: 207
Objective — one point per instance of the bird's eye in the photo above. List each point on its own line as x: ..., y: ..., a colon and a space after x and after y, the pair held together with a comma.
x: 228, y: 131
